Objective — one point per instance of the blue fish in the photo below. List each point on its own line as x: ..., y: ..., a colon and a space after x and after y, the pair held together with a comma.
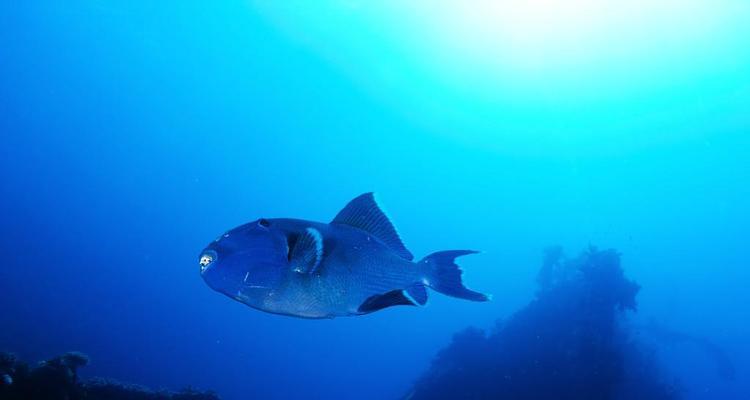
x: 354, y: 265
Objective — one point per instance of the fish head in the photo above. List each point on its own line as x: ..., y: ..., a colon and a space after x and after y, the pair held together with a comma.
x: 251, y: 258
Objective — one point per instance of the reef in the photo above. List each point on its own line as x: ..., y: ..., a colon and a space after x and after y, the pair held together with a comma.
x: 571, y: 342
x: 57, y: 379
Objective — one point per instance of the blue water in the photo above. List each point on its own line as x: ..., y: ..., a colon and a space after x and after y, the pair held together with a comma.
x: 135, y: 132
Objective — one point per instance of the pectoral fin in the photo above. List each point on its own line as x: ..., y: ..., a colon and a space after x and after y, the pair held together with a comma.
x: 307, y: 252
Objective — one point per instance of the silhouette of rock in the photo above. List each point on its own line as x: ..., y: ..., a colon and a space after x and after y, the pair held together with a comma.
x: 568, y: 343
x: 57, y: 379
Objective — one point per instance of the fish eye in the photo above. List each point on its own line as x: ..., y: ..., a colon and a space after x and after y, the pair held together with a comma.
x: 205, y: 260
x: 264, y: 222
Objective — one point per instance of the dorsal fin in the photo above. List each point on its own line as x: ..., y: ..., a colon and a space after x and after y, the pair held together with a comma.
x: 307, y: 252
x: 363, y: 213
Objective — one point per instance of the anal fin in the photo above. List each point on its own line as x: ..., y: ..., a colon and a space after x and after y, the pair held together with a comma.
x: 415, y: 295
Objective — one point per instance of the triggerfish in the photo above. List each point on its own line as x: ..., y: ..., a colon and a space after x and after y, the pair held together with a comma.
x: 354, y: 265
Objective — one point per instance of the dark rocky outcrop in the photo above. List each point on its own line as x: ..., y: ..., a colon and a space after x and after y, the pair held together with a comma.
x: 57, y: 379
x: 570, y: 342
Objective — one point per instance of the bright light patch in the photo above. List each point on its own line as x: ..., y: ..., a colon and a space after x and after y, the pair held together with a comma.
x: 490, y: 41
x: 544, y: 35
x: 532, y: 75
x: 525, y: 32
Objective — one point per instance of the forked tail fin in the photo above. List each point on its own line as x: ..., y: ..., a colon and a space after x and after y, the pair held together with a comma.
x: 444, y: 275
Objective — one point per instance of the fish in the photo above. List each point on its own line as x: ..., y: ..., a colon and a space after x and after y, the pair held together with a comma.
x: 354, y: 265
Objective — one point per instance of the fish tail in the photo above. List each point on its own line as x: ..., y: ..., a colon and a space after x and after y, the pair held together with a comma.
x: 444, y: 275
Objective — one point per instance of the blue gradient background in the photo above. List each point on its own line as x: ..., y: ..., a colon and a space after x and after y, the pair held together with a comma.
x: 134, y: 132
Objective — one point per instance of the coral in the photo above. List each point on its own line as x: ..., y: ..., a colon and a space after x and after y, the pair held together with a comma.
x: 568, y: 343
x: 102, y: 389
x: 57, y: 379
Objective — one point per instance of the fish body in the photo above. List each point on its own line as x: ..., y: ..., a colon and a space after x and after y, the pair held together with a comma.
x: 355, y: 265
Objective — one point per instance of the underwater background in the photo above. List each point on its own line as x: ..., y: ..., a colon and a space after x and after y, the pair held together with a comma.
x: 135, y: 132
